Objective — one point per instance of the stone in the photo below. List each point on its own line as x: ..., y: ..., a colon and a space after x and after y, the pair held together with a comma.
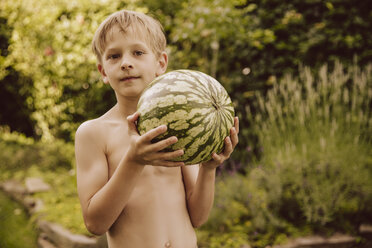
x: 291, y: 244
x: 311, y: 241
x: 35, y: 185
x: 43, y: 242
x: 36, y: 205
x: 341, y: 241
x: 64, y: 238
x: 13, y: 187
x: 365, y: 229
x: 335, y: 241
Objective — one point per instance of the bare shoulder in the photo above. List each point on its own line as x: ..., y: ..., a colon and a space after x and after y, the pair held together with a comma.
x: 99, y: 134
x: 89, y: 131
x: 90, y: 149
x: 92, y: 134
x: 93, y: 129
x: 89, y: 127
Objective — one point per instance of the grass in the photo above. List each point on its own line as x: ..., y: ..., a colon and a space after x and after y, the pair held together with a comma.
x: 53, y: 162
x: 16, y: 228
x: 24, y: 157
x: 61, y: 203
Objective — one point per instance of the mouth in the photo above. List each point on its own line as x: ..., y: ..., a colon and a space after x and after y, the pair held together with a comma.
x: 129, y: 78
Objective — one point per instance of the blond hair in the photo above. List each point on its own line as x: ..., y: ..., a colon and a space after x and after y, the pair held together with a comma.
x: 141, y: 24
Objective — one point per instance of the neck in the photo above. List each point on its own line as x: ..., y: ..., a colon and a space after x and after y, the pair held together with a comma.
x: 127, y: 106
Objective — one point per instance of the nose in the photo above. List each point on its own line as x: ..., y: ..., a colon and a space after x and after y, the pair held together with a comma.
x: 126, y: 63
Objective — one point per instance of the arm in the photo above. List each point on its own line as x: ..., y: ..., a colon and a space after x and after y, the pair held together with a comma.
x: 199, y: 181
x: 103, y: 199
x: 199, y: 186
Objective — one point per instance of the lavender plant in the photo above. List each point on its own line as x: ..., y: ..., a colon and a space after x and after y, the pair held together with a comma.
x: 316, y: 134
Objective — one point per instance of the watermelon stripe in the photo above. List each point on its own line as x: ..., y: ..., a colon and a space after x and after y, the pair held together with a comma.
x: 196, y: 109
x: 201, y: 85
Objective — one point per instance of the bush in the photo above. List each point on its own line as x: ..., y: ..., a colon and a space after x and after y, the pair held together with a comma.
x: 316, y: 132
x: 57, y: 85
x: 314, y: 173
x: 18, y: 153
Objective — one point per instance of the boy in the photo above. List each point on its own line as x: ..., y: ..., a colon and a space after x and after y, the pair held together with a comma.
x: 127, y: 187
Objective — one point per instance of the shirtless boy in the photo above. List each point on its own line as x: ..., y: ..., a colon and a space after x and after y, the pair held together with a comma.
x: 127, y: 187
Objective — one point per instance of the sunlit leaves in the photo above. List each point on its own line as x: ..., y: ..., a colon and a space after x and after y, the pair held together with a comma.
x: 50, y: 43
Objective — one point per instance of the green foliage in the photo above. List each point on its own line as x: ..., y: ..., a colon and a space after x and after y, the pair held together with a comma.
x: 13, y: 95
x: 61, y: 203
x: 224, y: 240
x: 311, y: 133
x: 53, y: 49
x: 316, y: 136
x: 17, y: 230
x: 312, y: 33
x: 244, y: 44
x: 314, y: 172
x: 245, y: 216
x: 24, y: 157
x: 18, y: 153
x: 213, y: 45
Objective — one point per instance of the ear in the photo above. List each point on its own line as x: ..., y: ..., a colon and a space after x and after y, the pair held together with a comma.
x: 163, y: 63
x: 103, y: 73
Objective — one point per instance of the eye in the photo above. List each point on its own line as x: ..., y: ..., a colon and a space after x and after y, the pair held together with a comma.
x: 113, y: 56
x: 138, y: 53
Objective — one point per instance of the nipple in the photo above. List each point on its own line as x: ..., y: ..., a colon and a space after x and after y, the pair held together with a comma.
x: 168, y: 245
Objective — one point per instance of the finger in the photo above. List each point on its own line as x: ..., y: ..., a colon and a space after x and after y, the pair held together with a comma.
x: 236, y: 124
x: 218, y: 158
x: 168, y: 155
x: 132, y: 122
x: 150, y: 135
x: 160, y: 145
x: 234, y: 137
x: 228, y: 147
x: 133, y: 117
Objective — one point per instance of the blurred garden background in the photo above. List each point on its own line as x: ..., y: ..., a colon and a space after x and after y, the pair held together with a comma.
x: 300, y: 76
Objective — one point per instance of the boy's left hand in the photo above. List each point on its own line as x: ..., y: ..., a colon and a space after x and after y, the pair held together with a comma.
x: 230, y: 144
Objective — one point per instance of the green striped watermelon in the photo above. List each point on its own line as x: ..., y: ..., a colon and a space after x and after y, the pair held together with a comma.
x: 196, y: 109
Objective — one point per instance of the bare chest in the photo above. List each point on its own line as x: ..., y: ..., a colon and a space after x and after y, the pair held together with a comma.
x: 156, y: 210
x: 118, y: 143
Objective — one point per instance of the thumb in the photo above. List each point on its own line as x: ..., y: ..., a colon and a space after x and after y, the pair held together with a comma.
x: 132, y: 119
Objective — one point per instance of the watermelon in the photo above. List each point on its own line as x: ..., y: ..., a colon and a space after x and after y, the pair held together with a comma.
x: 196, y: 109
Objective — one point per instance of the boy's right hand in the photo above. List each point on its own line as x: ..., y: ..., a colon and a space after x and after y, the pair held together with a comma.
x: 143, y: 152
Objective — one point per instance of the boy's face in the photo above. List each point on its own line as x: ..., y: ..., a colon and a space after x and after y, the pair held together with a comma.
x: 129, y: 64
